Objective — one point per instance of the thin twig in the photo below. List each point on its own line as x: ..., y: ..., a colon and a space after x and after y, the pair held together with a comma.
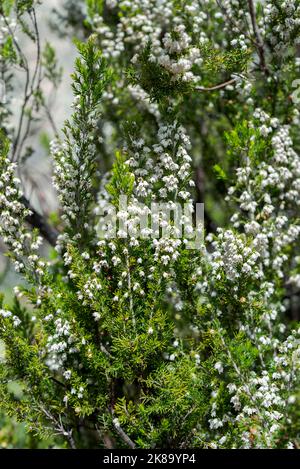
x: 104, y: 350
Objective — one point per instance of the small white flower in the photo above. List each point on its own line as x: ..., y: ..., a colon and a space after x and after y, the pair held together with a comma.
x: 67, y: 374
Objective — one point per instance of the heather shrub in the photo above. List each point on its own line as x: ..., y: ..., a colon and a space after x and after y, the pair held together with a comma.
x: 136, y: 322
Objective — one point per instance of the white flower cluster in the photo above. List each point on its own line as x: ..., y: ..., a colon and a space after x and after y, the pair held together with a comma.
x: 88, y: 293
x: 59, y: 344
x: 143, y: 101
x: 161, y: 177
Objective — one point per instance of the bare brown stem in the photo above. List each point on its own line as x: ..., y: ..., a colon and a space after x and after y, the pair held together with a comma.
x: 216, y: 87
x: 259, y: 42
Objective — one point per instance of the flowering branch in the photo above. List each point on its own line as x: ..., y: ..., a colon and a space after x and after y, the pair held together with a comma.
x: 259, y: 41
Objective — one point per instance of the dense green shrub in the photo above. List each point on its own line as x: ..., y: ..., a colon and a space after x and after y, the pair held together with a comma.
x: 125, y: 334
